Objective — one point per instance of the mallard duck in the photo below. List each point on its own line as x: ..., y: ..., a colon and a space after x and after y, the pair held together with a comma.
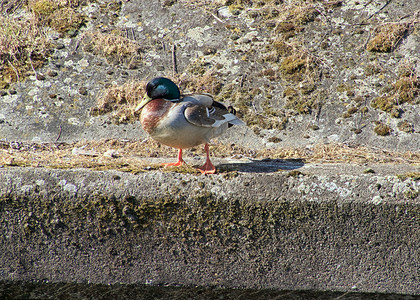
x: 183, y: 121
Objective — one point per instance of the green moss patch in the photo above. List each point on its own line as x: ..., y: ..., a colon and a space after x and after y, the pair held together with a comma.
x: 302, y: 103
x: 387, y: 37
x: 293, y: 64
x: 43, y: 9
x: 382, y: 129
x: 405, y: 126
x: 191, y: 220
x: 414, y: 175
x: 350, y: 111
x: 346, y: 88
x: 383, y: 103
x: 66, y: 20
x: 407, y: 88
x: 59, y: 15
x: 404, y: 90
x: 387, y: 104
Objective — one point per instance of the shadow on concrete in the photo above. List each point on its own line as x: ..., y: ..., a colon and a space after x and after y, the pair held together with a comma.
x: 262, y: 166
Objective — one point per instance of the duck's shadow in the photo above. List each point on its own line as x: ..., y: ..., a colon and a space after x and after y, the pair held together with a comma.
x: 262, y: 166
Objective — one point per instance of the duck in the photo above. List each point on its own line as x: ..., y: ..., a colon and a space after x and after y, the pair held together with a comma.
x: 183, y: 121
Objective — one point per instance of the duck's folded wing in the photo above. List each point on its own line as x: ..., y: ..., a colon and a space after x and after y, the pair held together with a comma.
x: 209, y: 117
x: 199, y: 99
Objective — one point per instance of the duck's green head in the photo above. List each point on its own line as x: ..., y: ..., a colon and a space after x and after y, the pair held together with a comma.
x: 160, y: 88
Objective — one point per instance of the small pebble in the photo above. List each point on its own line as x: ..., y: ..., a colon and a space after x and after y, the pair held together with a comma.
x: 60, y: 46
x: 52, y: 73
x: 369, y: 171
x: 132, y: 66
x: 81, y: 151
x: 83, y: 91
x: 72, y: 33
x: 40, y: 77
x: 209, y: 51
x: 111, y: 154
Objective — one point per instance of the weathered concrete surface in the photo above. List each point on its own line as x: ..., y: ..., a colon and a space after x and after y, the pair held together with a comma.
x: 330, y: 228
x: 234, y: 48
x: 333, y: 228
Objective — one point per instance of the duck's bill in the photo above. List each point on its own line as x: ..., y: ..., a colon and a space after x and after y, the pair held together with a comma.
x: 143, y: 102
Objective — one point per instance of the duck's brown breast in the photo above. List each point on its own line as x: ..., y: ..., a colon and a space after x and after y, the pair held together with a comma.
x: 153, y: 112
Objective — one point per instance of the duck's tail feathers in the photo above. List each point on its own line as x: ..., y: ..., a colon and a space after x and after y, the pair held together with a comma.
x: 236, y: 121
x: 229, y: 118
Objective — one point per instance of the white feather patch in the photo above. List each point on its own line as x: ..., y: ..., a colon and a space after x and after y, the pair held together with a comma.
x: 227, y: 118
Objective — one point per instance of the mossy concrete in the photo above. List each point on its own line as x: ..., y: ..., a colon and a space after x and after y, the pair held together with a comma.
x: 334, y: 228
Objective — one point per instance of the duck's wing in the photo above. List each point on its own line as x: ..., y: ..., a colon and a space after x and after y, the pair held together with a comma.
x: 213, y: 116
x: 199, y: 99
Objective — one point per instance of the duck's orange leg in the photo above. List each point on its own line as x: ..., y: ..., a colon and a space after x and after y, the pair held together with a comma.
x: 208, y: 167
x: 180, y: 161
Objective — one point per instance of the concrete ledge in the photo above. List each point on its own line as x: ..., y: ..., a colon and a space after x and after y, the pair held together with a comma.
x: 346, y: 231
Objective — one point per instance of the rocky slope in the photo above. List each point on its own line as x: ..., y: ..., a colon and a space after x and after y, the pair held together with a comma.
x: 300, y: 73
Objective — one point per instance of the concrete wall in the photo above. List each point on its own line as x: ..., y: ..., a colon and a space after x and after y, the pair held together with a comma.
x: 270, y: 230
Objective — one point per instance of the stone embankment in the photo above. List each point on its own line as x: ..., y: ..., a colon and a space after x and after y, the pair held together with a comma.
x: 326, y: 227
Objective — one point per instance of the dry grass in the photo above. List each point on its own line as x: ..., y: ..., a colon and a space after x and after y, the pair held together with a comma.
x: 59, y: 15
x: 23, y: 46
x: 65, y: 19
x: 116, y: 48
x: 9, y: 7
x: 208, y: 82
x: 406, y: 88
x: 120, y: 101
x: 135, y: 156
x: 341, y: 153
x: 73, y: 3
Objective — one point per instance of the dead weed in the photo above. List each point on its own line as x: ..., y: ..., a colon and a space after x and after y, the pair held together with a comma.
x: 135, y: 156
